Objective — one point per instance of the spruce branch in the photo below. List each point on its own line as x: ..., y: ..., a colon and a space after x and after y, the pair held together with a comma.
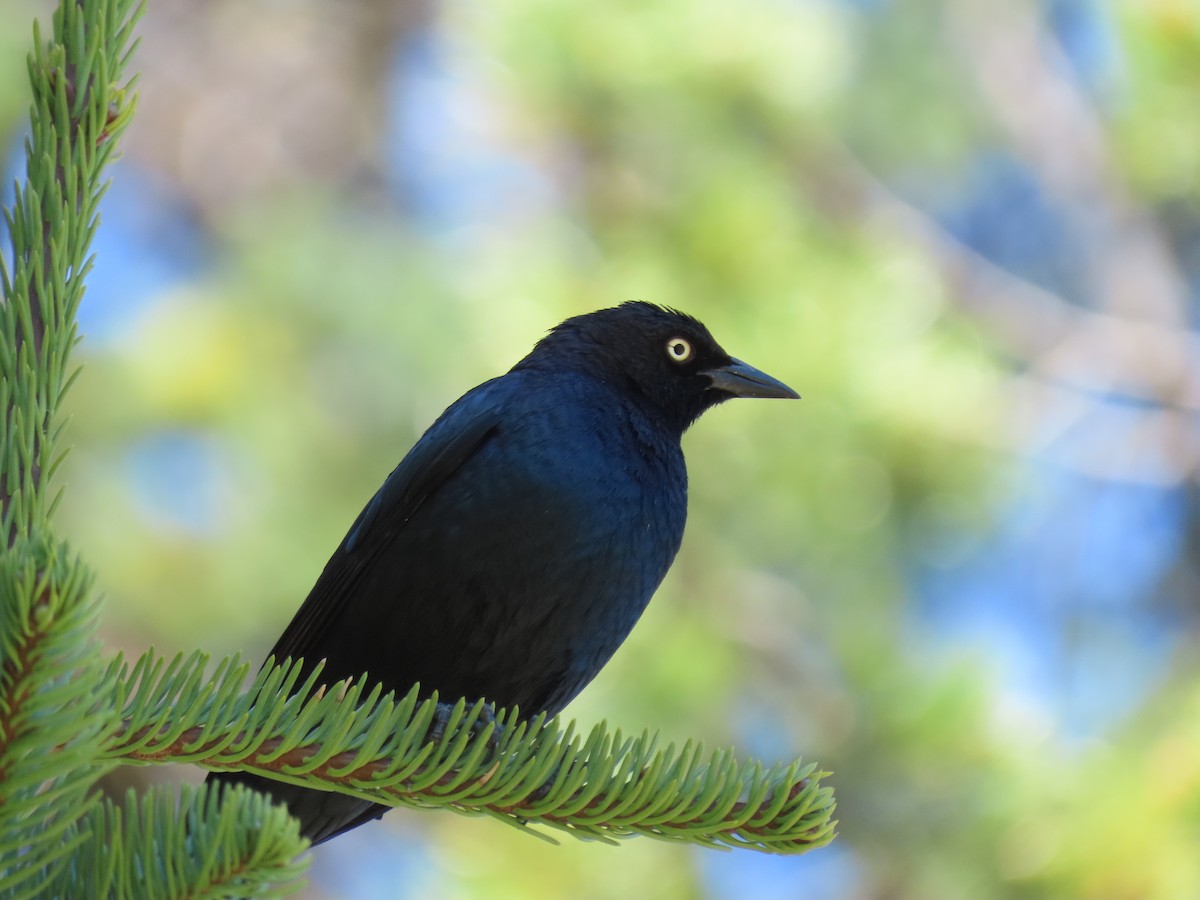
x: 195, y: 847
x: 54, y: 702
x: 54, y: 710
x: 79, y: 107
x: 357, y: 740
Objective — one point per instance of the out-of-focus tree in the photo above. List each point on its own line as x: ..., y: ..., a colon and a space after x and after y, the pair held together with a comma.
x: 961, y: 574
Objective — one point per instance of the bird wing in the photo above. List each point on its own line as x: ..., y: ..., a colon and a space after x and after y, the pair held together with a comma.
x: 440, y: 452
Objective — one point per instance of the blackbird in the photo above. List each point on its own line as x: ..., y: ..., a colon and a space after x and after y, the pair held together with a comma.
x: 515, y: 546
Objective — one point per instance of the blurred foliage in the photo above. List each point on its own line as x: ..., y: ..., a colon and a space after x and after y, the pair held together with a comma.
x: 780, y: 170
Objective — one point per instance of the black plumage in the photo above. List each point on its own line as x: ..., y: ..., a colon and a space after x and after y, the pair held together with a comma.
x: 515, y: 546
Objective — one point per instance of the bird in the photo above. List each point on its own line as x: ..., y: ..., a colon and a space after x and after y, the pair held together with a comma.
x: 514, y: 547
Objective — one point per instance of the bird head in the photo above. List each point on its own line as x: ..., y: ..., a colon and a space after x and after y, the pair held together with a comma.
x: 665, y: 359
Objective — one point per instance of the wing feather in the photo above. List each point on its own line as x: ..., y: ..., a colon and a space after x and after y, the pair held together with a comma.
x: 461, y: 431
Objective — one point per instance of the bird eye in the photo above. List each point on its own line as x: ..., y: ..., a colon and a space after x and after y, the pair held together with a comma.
x: 679, y: 349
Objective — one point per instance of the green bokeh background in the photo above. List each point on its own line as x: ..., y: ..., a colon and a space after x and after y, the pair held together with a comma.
x: 747, y: 164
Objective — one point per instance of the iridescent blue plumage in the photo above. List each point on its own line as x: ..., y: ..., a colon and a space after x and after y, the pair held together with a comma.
x: 515, y: 546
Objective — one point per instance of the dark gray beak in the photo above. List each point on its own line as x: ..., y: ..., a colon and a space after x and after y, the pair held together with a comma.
x: 741, y: 380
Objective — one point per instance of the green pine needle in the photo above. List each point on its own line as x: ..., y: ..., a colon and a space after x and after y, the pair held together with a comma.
x: 359, y: 741
x: 201, y: 844
x: 55, y: 710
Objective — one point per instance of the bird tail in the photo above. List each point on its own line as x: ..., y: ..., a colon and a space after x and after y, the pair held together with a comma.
x: 323, y: 815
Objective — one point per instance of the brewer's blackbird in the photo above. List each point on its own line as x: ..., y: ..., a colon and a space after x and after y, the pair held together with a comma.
x: 515, y: 546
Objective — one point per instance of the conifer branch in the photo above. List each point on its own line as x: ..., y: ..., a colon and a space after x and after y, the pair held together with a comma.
x: 357, y: 740
x: 53, y: 713
x: 194, y: 847
x: 79, y: 108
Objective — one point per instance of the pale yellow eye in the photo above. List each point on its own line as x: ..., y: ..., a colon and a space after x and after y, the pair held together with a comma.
x: 679, y: 350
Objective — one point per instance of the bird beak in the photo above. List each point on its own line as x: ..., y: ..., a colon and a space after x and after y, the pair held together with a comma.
x: 741, y: 380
